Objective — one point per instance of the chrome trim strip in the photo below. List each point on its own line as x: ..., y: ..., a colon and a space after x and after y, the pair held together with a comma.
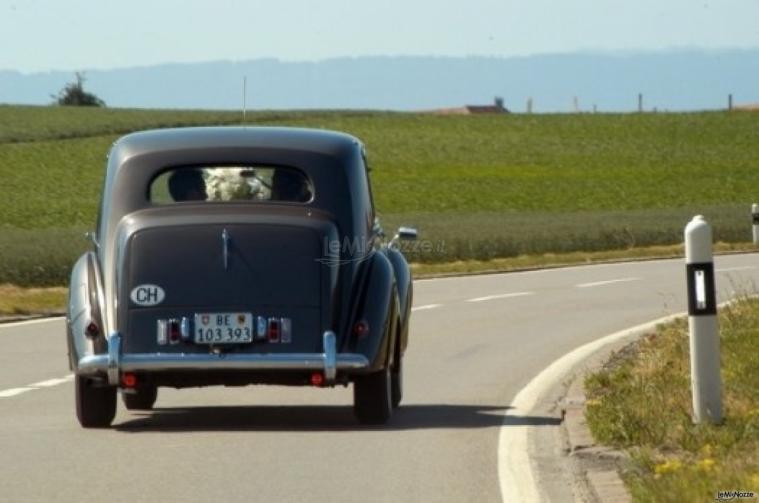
x: 113, y: 363
x: 225, y: 241
x: 134, y: 362
x: 330, y: 356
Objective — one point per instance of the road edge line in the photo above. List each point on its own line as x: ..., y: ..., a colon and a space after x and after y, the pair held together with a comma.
x: 515, y: 474
x: 34, y: 321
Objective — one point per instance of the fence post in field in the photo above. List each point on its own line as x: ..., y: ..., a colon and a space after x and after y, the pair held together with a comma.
x: 706, y: 384
x: 640, y: 102
x: 755, y: 221
x: 730, y: 102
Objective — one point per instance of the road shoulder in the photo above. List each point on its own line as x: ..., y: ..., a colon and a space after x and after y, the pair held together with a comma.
x: 595, y: 468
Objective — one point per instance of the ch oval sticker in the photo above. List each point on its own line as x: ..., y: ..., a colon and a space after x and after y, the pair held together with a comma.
x: 147, y: 295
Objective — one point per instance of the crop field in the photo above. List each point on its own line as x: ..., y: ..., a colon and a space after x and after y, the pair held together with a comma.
x: 478, y: 187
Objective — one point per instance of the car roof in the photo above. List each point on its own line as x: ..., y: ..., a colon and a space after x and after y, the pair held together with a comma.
x: 316, y: 141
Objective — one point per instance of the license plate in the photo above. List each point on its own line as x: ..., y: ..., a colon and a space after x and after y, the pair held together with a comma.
x: 223, y: 328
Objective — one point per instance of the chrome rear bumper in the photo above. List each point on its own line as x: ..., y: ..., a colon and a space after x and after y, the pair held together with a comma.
x: 115, y: 362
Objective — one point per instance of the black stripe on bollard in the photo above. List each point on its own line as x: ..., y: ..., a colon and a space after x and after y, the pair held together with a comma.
x: 701, y: 281
x: 755, y: 218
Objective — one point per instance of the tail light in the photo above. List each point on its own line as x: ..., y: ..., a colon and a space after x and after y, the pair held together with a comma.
x: 175, y: 332
x: 274, y: 331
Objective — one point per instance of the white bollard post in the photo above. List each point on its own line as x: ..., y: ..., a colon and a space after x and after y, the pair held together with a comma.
x: 706, y: 384
x: 755, y: 220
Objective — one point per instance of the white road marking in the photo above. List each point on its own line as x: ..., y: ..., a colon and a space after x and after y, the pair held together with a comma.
x: 549, y: 269
x: 424, y: 308
x: 515, y: 475
x: 728, y: 269
x: 14, y: 391
x: 52, y: 382
x: 7, y: 393
x: 500, y: 296
x: 30, y: 322
x: 607, y: 282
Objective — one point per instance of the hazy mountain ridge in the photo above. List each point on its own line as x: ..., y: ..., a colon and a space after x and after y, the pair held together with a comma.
x: 677, y: 80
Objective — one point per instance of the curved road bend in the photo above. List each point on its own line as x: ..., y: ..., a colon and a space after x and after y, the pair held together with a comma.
x: 475, y: 342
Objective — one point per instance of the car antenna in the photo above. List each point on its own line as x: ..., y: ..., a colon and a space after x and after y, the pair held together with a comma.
x: 244, y: 96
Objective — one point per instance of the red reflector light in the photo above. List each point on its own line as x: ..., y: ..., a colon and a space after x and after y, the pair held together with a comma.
x: 317, y: 379
x: 92, y: 329
x: 361, y: 328
x: 129, y: 380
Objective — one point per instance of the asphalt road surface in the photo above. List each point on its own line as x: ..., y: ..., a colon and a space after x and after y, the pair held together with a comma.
x: 475, y: 342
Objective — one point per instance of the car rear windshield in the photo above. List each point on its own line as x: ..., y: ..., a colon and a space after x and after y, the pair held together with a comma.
x: 231, y: 183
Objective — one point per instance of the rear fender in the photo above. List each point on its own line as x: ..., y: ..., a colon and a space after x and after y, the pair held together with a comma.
x: 405, y: 288
x: 84, y: 306
x: 378, y: 307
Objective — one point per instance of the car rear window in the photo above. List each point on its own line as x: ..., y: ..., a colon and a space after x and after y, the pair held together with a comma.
x: 231, y: 183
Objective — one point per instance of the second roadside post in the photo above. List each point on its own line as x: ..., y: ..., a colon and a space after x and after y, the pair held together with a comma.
x: 706, y: 383
x: 755, y: 222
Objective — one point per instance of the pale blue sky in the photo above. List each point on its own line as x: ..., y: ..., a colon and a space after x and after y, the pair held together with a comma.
x: 41, y: 35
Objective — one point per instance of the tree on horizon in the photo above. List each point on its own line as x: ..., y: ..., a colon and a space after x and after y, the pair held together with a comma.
x: 73, y: 94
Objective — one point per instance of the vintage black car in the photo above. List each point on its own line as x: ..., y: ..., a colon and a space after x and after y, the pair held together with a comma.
x: 233, y: 256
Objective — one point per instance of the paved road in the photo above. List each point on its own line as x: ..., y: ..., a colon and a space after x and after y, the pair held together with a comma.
x: 475, y: 342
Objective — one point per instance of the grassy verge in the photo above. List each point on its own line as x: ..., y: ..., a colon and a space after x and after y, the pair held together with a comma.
x: 16, y: 300
x: 642, y: 403
x: 37, y: 258
x: 549, y: 260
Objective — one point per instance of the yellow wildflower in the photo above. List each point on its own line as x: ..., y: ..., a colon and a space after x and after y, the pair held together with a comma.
x: 705, y: 464
x: 669, y: 466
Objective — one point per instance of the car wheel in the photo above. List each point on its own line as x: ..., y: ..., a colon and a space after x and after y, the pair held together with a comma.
x: 95, y: 406
x: 142, y: 399
x: 396, y: 381
x: 372, y: 401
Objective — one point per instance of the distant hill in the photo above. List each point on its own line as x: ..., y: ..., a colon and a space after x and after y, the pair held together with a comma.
x: 675, y: 80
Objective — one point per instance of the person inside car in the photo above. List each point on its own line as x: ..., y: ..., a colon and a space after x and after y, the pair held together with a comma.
x: 187, y: 185
x: 289, y: 185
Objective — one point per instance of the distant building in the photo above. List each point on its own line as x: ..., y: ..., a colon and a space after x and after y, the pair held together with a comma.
x: 496, y: 108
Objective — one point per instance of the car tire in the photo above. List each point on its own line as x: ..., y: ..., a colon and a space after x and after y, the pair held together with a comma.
x: 396, y: 380
x: 95, y: 406
x: 372, y: 400
x: 142, y: 399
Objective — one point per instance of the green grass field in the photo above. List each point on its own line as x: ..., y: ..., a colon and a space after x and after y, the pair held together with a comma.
x: 478, y: 187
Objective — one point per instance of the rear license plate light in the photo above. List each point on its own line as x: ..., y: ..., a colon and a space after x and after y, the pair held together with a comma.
x: 262, y: 324
x: 162, y: 333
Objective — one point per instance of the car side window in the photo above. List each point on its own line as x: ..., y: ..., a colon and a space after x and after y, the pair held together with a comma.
x: 231, y: 183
